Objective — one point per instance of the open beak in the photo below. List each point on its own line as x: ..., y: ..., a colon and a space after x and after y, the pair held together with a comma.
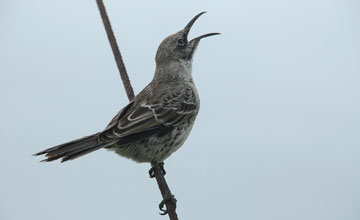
x: 187, y: 28
x: 192, y: 45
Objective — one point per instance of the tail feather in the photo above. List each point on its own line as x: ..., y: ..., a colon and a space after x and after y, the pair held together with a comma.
x: 79, y: 153
x: 73, y: 149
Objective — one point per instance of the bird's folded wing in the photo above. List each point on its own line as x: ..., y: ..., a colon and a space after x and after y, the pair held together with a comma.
x: 156, y: 114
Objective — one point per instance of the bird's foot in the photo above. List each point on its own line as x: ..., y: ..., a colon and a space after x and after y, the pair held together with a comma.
x: 161, y: 165
x: 170, y: 197
x: 153, y: 168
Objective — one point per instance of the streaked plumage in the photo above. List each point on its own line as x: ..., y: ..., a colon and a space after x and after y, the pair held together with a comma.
x: 160, y: 118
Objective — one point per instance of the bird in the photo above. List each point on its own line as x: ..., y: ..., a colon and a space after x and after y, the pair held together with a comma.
x: 159, y: 119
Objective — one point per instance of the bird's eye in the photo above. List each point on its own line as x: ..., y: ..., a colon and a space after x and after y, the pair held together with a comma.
x: 181, y: 42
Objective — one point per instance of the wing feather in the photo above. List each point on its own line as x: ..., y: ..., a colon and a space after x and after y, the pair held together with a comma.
x: 157, y: 113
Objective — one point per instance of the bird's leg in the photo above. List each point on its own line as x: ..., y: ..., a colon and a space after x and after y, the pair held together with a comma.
x: 157, y: 170
x: 161, y: 165
x: 169, y: 197
x: 153, y: 168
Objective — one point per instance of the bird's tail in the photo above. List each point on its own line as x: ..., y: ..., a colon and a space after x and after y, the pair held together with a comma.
x: 73, y: 149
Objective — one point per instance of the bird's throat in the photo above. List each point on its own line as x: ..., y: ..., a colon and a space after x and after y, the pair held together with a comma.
x: 179, y: 70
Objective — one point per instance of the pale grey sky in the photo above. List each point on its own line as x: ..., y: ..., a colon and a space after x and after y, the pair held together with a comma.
x: 277, y: 136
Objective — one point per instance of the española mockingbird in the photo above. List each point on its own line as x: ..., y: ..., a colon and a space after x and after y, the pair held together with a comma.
x: 158, y: 121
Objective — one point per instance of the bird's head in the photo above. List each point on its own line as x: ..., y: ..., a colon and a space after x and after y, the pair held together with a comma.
x: 177, y: 47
